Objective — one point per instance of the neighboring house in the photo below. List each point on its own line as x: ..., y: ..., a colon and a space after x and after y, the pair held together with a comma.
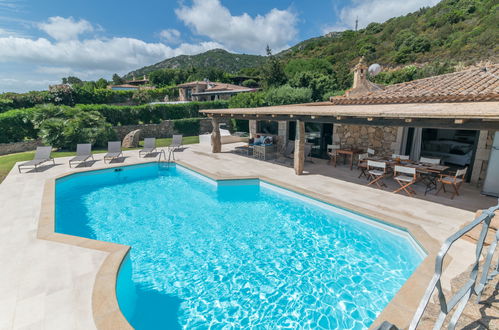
x: 132, y: 85
x: 123, y: 87
x: 452, y: 116
x: 209, y: 91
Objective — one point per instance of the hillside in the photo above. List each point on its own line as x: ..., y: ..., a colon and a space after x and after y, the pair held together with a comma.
x: 216, y: 58
x: 454, y: 30
x: 450, y: 35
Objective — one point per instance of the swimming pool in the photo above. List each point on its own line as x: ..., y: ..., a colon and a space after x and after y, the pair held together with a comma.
x: 237, y: 253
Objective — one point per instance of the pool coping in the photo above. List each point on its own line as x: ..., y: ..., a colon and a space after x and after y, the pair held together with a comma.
x: 105, y: 307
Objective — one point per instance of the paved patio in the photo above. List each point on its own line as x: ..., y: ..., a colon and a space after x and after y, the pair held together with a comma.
x: 48, y: 285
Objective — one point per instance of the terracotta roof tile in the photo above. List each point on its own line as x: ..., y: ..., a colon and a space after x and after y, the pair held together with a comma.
x: 479, y: 84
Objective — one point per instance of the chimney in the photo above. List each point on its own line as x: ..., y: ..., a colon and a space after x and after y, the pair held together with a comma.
x: 360, y: 74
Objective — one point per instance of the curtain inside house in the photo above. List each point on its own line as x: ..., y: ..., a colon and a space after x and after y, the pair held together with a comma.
x: 417, y: 141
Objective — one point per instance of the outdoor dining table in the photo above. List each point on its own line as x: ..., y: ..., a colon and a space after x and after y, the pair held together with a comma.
x: 347, y: 152
x: 428, y: 172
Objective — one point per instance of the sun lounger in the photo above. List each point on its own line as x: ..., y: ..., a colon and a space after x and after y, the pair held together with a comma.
x: 83, y: 153
x: 42, y: 155
x: 176, y: 142
x: 150, y: 147
x: 113, y: 150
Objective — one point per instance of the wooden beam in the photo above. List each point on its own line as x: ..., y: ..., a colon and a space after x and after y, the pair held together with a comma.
x: 216, y: 140
x: 471, y: 124
x: 299, y: 155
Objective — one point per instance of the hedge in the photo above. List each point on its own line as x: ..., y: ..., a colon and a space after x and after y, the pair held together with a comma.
x: 81, y: 95
x: 17, y: 125
x: 188, y: 126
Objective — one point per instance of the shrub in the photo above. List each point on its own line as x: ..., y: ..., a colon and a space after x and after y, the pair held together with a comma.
x: 250, y: 83
x: 16, y: 125
x: 248, y: 100
x: 5, y: 104
x: 62, y: 94
x: 288, y: 95
x: 72, y: 126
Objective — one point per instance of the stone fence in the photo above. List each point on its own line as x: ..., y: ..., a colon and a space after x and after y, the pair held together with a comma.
x: 165, y: 129
x: 10, y: 148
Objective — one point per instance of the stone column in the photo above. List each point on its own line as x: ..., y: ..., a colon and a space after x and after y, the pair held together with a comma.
x: 282, y: 135
x: 252, y: 128
x: 299, y: 159
x: 216, y: 142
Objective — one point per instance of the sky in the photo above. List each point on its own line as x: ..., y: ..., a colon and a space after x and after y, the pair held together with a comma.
x: 43, y: 41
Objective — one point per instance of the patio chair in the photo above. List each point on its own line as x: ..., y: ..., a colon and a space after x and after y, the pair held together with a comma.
x: 113, y: 151
x: 331, y: 152
x: 455, y: 181
x: 83, y: 153
x: 377, y: 171
x: 288, y: 152
x: 432, y: 161
x: 370, y: 152
x: 405, y: 177
x: 362, y: 165
x: 42, y: 155
x: 401, y: 157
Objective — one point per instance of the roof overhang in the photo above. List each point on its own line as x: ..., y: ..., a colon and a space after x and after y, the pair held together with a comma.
x: 233, y: 91
x: 465, y: 115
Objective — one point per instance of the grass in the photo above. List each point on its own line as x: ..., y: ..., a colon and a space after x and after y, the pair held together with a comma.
x: 8, y: 161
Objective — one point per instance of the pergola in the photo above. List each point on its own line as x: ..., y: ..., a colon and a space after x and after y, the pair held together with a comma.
x: 465, y: 115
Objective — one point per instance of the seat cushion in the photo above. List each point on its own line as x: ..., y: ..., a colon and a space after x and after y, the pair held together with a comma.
x: 451, y: 179
x: 404, y: 178
x: 376, y: 172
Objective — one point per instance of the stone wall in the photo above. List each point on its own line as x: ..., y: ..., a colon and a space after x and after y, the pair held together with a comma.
x: 9, y: 148
x: 383, y: 139
x: 165, y: 129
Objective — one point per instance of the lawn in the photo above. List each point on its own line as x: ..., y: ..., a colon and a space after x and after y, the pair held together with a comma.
x: 8, y: 161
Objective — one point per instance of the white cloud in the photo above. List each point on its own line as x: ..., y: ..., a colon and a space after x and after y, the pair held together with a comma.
x: 369, y: 11
x: 170, y: 36
x: 242, y: 33
x: 115, y: 54
x: 63, y: 29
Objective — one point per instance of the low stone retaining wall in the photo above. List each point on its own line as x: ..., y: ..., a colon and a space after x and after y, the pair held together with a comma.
x: 165, y: 129
x: 10, y: 148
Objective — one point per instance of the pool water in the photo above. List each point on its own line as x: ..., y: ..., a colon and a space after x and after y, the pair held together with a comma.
x: 235, y: 254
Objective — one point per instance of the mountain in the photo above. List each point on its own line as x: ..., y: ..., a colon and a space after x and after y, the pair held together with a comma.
x: 216, y: 58
x: 464, y: 31
x: 453, y: 33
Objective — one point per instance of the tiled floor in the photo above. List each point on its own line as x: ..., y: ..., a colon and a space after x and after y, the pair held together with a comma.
x: 48, y: 285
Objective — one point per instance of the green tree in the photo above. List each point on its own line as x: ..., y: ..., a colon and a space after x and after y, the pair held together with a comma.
x: 72, y: 80
x: 117, y: 80
x: 101, y: 83
x: 273, y: 71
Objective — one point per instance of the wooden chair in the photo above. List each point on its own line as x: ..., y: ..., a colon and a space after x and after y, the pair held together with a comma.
x: 331, y: 152
x: 362, y: 165
x: 376, y: 171
x: 405, y: 177
x: 454, y: 181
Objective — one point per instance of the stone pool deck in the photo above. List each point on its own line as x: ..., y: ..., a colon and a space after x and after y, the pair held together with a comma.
x: 49, y: 285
